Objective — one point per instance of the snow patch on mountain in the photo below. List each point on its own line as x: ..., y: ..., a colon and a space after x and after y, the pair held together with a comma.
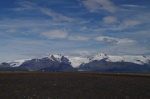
x: 141, y: 60
x: 98, y: 57
x: 17, y: 63
x: 56, y: 57
x: 77, y: 61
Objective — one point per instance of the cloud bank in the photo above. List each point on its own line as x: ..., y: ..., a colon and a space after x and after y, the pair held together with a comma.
x: 113, y: 40
x: 96, y: 5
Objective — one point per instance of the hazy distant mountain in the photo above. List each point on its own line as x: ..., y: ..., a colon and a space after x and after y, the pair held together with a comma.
x: 4, y: 64
x: 7, y: 67
x: 99, y: 62
x: 114, y: 66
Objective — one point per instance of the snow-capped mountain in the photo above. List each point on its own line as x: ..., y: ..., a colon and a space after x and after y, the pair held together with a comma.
x: 77, y: 61
x: 56, y: 57
x: 51, y: 63
x: 103, y: 62
x: 127, y: 58
x: 100, y: 61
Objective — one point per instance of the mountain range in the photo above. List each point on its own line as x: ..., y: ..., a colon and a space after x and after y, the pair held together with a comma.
x: 98, y: 63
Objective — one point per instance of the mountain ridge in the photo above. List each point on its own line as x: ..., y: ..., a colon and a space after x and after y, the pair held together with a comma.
x: 58, y: 62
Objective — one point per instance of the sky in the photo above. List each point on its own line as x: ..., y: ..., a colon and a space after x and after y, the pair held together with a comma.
x: 36, y: 28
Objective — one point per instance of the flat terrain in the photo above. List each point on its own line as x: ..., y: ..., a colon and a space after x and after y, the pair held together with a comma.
x: 73, y: 85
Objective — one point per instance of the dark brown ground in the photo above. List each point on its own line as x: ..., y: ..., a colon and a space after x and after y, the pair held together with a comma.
x: 58, y: 85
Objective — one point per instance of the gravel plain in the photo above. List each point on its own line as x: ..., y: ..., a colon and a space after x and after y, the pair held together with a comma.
x: 74, y: 85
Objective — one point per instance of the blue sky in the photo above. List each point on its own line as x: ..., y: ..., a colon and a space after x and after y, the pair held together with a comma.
x: 33, y: 28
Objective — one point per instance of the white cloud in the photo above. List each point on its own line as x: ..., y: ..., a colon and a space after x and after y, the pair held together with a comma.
x: 56, y: 16
x: 81, y: 38
x: 109, y: 19
x: 126, y: 49
x: 61, y: 34
x: 54, y: 34
x: 83, y: 28
x: 128, y: 23
x: 112, y: 40
x: 84, y: 22
x: 11, y: 31
x: 141, y: 34
x: 125, y: 25
x: 132, y: 6
x: 83, y: 53
x: 25, y: 5
x: 95, y: 5
x: 29, y: 23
